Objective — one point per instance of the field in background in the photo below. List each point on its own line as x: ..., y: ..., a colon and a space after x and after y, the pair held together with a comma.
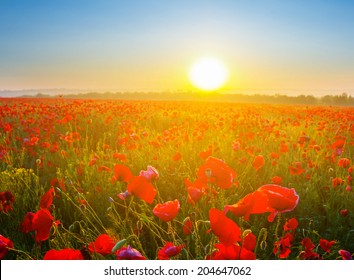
x: 157, y: 175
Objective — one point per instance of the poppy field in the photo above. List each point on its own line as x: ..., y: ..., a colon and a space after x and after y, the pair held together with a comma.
x: 124, y: 179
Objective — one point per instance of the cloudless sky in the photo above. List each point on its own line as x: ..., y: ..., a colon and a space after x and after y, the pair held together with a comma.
x: 274, y: 45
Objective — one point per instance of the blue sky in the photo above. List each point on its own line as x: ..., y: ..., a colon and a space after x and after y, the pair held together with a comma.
x: 150, y: 45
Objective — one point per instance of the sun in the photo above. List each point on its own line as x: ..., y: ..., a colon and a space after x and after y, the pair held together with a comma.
x: 208, y: 74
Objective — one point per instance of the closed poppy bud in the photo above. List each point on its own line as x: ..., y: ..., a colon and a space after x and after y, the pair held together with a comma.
x: 187, y: 226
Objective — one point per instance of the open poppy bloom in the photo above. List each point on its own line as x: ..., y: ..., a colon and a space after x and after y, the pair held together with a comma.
x: 6, y: 201
x: 216, y: 171
x: 169, y: 250
x: 129, y: 253
x: 268, y: 198
x: 167, y: 211
x: 290, y: 224
x: 282, y: 246
x: 5, y: 244
x: 326, y: 245
x: 308, y: 254
x: 195, y: 190
x: 142, y: 188
x: 40, y: 222
x: 345, y: 255
x: 236, y: 251
x: 47, y: 199
x: 122, y: 173
x: 258, y: 162
x: 63, y: 254
x: 150, y: 174
x: 224, y: 228
x: 102, y: 245
x: 280, y: 199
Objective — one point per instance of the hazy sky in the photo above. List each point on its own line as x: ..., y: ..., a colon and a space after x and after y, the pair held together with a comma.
x: 151, y: 44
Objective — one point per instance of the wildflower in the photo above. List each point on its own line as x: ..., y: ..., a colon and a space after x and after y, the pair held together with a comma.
x: 6, y: 201
x: 277, y: 180
x: 345, y: 255
x: 336, y: 182
x: 129, y: 253
x: 142, y: 188
x: 282, y: 246
x: 122, y: 173
x: 344, y: 162
x: 268, y: 198
x: 167, y: 211
x: 63, y: 254
x: 169, y: 251
x: 308, y: 254
x: 326, y: 245
x: 40, y: 222
x: 258, y: 162
x: 47, y: 199
x: 290, y: 224
x: 150, y: 174
x: 5, y: 244
x: 224, y: 228
x: 187, y: 226
x: 344, y: 212
x: 102, y: 245
x: 220, y: 173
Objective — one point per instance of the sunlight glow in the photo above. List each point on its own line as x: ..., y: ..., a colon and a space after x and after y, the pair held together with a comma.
x: 208, y: 74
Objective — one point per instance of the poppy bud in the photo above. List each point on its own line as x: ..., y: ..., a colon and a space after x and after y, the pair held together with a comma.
x: 119, y: 245
x: 110, y: 199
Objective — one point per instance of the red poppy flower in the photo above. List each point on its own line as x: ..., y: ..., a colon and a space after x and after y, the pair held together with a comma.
x: 232, y: 252
x: 345, y: 255
x: 122, y: 173
x: 258, y: 162
x: 277, y: 180
x: 290, y: 224
x: 268, y: 198
x: 280, y: 199
x: 6, y: 201
x: 27, y: 223
x: 177, y: 156
x: 142, y: 188
x: 337, y: 181
x: 216, y: 171
x: 308, y: 254
x: 187, y: 226
x: 47, y: 199
x: 128, y: 253
x: 5, y: 244
x: 195, y: 190
x: 150, y: 174
x: 253, y: 203
x: 167, y: 211
x: 169, y: 251
x: 282, y: 247
x: 63, y: 254
x: 224, y: 228
x: 120, y: 157
x: 326, y: 245
x: 41, y: 222
x: 344, y: 162
x: 103, y: 168
x: 102, y: 245
x: 344, y: 212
